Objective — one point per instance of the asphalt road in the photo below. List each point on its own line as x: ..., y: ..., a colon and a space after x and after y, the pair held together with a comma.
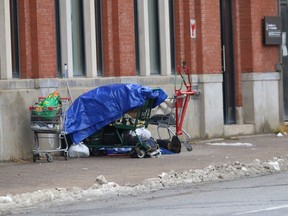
x: 266, y: 195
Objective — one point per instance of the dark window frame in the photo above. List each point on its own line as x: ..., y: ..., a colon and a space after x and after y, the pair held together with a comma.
x: 81, y: 41
x: 156, y: 31
x: 98, y: 27
x: 14, y: 39
x: 172, y: 36
x: 58, y: 40
x: 136, y: 26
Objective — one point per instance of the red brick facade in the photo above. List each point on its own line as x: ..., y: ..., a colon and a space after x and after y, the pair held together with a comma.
x: 37, y: 38
x: 253, y: 55
x: 250, y: 53
x: 118, y: 38
x: 203, y: 55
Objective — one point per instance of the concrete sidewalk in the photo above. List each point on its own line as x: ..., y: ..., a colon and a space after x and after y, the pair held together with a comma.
x: 27, y: 176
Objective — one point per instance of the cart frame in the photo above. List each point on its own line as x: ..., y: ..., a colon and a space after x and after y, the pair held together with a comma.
x: 174, y: 114
x: 52, y: 125
x: 122, y: 127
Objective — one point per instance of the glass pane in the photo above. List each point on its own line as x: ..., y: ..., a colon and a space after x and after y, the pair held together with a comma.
x: 58, y: 38
x: 172, y: 37
x: 98, y: 37
x: 154, y: 36
x: 136, y: 37
x: 14, y: 38
x: 77, y: 37
x: 228, y: 62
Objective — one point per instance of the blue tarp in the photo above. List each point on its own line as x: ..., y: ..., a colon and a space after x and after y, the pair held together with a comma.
x: 105, y: 104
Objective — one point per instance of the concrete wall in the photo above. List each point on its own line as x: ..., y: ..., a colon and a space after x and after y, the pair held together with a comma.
x: 204, y: 117
x: 16, y: 138
x: 261, y: 100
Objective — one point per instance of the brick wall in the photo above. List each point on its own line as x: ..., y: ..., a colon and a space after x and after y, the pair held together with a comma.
x: 118, y: 38
x: 210, y: 47
x: 254, y: 55
x: 37, y: 39
x: 265, y: 57
x: 250, y: 54
x: 185, y: 47
x: 203, y: 54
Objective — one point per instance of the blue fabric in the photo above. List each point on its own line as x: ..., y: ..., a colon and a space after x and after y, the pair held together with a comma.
x: 165, y: 151
x: 111, y: 151
x: 105, y: 104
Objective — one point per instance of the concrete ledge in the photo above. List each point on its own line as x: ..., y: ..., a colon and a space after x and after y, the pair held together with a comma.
x: 46, y: 83
x: 80, y: 82
x: 210, y: 78
x: 260, y: 76
x: 236, y: 130
x: 16, y: 84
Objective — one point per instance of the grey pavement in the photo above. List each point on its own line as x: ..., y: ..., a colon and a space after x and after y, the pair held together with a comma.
x: 29, y: 176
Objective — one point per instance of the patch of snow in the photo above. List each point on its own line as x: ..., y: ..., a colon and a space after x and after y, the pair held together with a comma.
x: 103, y: 189
x: 230, y: 144
x: 279, y: 135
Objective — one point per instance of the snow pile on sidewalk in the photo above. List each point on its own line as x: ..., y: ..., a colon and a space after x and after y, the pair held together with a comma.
x: 103, y: 189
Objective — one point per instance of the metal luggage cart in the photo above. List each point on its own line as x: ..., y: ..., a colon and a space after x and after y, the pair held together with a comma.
x: 175, y: 111
x: 122, y: 134
x: 48, y: 121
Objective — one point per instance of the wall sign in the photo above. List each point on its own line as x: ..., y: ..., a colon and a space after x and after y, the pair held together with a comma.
x: 192, y: 28
x: 272, y: 30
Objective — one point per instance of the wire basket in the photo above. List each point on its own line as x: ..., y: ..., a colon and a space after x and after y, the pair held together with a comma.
x: 48, y: 118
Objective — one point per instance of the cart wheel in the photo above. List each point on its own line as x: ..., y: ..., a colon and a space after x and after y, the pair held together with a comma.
x: 95, y: 151
x: 133, y: 153
x: 189, y: 148
x: 36, y: 157
x: 66, y: 155
x: 141, y: 153
x: 98, y: 152
x: 49, y: 157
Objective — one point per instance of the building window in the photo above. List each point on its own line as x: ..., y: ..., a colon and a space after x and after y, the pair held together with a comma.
x: 14, y: 38
x: 99, y: 37
x: 172, y: 36
x: 58, y: 38
x: 154, y: 44
x: 77, y: 25
x: 136, y: 37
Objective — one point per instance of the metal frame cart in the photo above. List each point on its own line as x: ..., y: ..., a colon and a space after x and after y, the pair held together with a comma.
x: 121, y: 134
x: 47, y: 121
x: 175, y: 112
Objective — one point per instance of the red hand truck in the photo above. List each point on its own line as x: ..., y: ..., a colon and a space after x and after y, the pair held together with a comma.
x: 176, y: 108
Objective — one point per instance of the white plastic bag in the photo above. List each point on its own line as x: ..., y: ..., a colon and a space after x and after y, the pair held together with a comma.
x: 78, y: 150
x: 143, y: 133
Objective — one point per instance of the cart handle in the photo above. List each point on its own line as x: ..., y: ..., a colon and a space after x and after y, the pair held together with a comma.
x: 62, y: 98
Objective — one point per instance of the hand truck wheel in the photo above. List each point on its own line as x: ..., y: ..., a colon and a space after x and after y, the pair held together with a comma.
x: 49, y: 157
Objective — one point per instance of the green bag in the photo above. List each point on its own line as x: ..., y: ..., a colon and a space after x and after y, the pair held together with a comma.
x: 48, y: 108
